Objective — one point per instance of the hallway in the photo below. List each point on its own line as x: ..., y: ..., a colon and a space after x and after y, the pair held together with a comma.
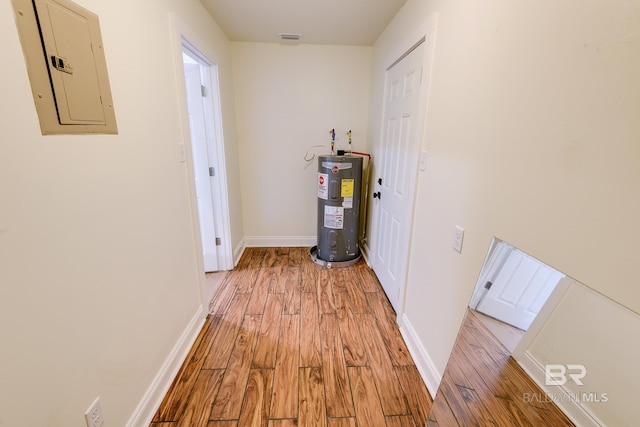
x: 290, y: 343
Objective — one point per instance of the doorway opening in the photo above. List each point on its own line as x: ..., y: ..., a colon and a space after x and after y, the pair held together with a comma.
x: 206, y: 159
x: 510, y: 292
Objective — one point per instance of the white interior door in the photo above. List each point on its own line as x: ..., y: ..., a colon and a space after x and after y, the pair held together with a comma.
x: 396, y: 178
x: 201, y: 164
x: 519, y: 290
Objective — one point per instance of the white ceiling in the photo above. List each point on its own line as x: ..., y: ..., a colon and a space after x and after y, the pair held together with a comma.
x: 343, y: 22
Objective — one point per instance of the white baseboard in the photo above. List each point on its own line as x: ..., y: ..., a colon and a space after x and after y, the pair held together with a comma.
x: 364, y: 250
x: 572, y: 408
x: 280, y: 241
x: 238, y: 251
x: 146, y: 409
x: 425, y: 365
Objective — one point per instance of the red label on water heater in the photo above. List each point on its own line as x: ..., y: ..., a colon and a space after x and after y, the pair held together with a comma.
x: 335, y: 169
x: 323, y: 187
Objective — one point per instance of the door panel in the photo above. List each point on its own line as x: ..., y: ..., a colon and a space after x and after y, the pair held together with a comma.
x: 399, y: 167
x: 519, y: 290
x: 201, y: 166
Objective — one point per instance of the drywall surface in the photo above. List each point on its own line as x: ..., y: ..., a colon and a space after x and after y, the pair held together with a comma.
x: 594, y: 326
x: 97, y: 249
x: 288, y: 98
x: 532, y: 136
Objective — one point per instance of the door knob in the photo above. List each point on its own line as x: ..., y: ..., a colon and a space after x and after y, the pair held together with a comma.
x: 376, y: 195
x: 380, y: 181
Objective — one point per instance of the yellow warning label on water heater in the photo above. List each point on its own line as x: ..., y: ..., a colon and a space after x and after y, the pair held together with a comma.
x: 347, y: 188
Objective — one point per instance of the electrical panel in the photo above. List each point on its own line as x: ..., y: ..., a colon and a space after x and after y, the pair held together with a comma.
x: 67, y: 69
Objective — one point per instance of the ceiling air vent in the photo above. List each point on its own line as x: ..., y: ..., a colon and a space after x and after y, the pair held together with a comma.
x: 290, y: 36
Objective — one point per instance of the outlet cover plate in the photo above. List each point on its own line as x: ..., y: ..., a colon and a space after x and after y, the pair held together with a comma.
x: 457, y: 239
x: 93, y: 414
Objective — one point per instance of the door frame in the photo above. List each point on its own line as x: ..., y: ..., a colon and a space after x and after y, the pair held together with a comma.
x: 213, y: 133
x: 495, y: 259
x: 424, y: 35
x: 184, y: 38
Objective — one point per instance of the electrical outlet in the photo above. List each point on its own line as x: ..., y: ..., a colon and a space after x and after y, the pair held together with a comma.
x: 457, y: 239
x: 93, y: 414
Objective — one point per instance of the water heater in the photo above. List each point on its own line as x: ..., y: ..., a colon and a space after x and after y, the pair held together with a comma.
x: 339, y: 183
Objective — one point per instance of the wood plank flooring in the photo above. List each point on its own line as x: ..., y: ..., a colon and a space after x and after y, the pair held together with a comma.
x: 509, y: 336
x: 289, y: 343
x: 484, y: 386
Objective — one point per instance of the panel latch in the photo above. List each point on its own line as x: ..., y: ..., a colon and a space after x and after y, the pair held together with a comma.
x: 61, y: 64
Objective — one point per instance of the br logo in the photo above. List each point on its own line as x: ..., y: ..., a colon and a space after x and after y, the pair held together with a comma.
x: 557, y: 374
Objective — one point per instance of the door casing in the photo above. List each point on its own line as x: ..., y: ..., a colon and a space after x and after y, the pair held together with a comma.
x: 185, y: 37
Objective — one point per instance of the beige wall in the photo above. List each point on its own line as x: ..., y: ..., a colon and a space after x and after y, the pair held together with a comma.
x: 599, y: 332
x: 532, y: 136
x: 98, y: 277
x: 288, y: 98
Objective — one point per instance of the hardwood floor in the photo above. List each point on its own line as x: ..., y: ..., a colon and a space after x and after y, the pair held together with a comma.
x: 509, y: 336
x: 289, y: 343
x: 484, y: 386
